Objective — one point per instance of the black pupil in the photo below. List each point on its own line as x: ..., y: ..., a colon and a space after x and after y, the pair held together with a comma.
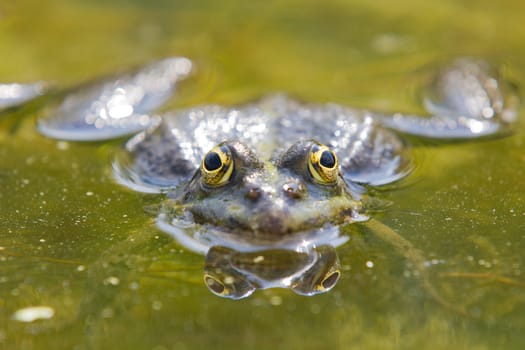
x: 212, y: 161
x: 327, y: 159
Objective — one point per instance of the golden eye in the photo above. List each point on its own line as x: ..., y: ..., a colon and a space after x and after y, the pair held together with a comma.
x: 216, y: 286
x: 329, y: 281
x: 217, y: 166
x: 323, y: 164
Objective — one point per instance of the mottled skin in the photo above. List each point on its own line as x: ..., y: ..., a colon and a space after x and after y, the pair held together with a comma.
x: 171, y: 153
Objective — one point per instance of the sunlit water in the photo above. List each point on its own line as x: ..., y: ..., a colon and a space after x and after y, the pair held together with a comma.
x: 82, y: 264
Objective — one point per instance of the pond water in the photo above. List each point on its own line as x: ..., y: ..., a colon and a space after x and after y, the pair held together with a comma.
x: 85, y: 257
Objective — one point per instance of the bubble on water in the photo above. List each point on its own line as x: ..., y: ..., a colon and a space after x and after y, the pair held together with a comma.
x: 33, y: 313
x: 156, y: 305
x: 276, y: 300
x: 107, y: 313
x: 112, y: 280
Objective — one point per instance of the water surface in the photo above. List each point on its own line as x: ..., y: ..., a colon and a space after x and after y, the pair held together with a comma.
x: 74, y: 241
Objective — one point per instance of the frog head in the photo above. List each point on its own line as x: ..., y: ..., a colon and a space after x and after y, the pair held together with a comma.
x: 298, y: 190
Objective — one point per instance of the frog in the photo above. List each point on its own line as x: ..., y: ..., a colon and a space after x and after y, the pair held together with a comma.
x: 266, y: 189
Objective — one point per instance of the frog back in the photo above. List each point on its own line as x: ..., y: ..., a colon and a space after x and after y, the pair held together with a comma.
x: 168, y: 154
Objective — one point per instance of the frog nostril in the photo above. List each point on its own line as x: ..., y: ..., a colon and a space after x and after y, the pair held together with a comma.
x: 254, y: 194
x: 294, y: 190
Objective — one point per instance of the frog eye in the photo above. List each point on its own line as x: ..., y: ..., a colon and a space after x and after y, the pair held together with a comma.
x: 216, y: 286
x: 217, y: 166
x: 329, y: 281
x: 323, y: 164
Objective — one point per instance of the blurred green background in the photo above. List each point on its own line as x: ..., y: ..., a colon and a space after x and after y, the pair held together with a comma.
x: 73, y: 240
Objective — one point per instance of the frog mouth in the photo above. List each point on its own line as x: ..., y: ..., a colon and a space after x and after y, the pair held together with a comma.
x: 200, y: 238
x: 269, y: 220
x: 282, y: 223
x: 266, y: 224
x: 270, y: 224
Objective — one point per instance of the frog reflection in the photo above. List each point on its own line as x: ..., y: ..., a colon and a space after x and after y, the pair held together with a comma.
x: 233, y: 274
x: 263, y: 189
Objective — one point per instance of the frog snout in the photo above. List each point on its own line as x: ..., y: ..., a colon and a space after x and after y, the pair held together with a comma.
x: 253, y: 194
x: 294, y: 189
x: 291, y: 190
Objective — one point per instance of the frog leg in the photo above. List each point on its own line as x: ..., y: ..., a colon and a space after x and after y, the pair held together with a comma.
x: 115, y: 106
x: 466, y: 99
x: 443, y: 127
x: 414, y: 256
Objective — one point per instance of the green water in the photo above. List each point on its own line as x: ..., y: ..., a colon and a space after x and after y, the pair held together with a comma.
x: 74, y: 241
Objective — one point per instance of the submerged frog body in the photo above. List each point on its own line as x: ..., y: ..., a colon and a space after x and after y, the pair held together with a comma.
x: 263, y: 188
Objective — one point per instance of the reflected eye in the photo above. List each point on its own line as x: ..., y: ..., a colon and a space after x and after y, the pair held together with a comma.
x: 215, y: 285
x: 329, y: 281
x: 217, y: 166
x: 323, y: 164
